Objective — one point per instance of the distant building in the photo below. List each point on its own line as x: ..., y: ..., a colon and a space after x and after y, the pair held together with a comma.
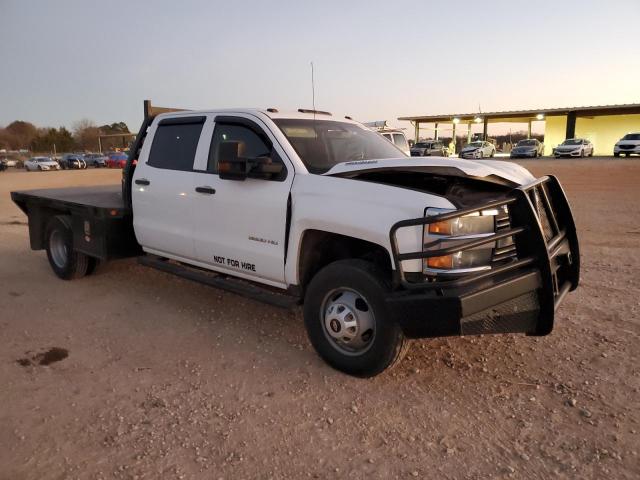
x: 604, y: 125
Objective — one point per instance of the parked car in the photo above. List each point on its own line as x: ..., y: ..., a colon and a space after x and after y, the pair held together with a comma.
x: 3, y: 166
x: 10, y: 162
x: 627, y: 145
x: 72, y: 161
x: 95, y: 160
x: 117, y: 160
x: 41, y: 163
x: 479, y: 149
x: 429, y: 148
x: 574, y: 147
x: 531, y: 147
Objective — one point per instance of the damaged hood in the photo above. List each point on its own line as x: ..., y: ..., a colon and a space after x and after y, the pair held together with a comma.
x: 453, y: 166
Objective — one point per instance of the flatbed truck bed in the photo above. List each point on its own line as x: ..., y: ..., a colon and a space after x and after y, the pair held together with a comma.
x: 102, y: 221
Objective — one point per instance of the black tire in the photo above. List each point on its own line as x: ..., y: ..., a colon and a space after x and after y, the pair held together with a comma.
x: 69, y: 264
x: 616, y: 154
x: 493, y: 153
x: 388, y: 345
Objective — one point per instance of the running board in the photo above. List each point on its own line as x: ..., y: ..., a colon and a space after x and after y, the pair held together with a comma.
x: 230, y: 284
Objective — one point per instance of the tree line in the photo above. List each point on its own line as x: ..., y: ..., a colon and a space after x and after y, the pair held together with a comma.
x: 83, y: 136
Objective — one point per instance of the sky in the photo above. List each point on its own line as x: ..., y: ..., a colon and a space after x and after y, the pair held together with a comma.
x: 64, y: 60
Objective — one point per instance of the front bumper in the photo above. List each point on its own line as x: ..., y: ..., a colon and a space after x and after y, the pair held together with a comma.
x: 572, y: 153
x: 526, y: 154
x: 472, y: 154
x: 617, y: 149
x: 520, y: 296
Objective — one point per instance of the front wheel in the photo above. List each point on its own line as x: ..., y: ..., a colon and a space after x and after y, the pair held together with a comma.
x: 65, y: 262
x: 348, y: 321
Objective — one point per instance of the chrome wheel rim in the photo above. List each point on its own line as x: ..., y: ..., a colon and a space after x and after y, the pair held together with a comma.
x: 348, y: 321
x: 58, y: 248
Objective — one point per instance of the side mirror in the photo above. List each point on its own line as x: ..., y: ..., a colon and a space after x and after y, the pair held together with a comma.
x: 264, y: 167
x: 233, y: 167
x: 230, y: 166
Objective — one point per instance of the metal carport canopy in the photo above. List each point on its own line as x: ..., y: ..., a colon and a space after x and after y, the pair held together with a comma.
x: 526, y: 115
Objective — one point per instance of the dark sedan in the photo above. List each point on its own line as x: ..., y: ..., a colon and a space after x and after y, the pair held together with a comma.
x: 95, y: 160
x: 72, y: 160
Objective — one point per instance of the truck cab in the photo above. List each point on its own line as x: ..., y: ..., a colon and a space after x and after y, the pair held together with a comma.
x: 378, y: 248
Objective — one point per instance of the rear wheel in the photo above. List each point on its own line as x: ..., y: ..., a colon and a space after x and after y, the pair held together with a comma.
x: 348, y: 321
x: 65, y: 262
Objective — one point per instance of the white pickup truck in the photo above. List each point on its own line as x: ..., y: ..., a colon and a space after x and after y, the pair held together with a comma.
x: 305, y: 208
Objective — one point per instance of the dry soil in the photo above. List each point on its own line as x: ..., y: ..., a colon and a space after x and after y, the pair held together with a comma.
x: 132, y: 373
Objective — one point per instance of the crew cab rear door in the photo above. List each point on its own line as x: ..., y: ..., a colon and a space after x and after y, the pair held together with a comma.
x: 241, y: 225
x: 162, y: 191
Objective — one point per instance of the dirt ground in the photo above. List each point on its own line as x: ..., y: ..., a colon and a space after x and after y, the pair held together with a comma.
x: 158, y: 377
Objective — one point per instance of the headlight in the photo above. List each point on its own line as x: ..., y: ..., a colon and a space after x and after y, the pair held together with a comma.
x: 457, y: 230
x: 473, y: 224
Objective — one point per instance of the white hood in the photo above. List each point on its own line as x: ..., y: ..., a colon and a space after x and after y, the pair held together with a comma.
x: 472, y: 168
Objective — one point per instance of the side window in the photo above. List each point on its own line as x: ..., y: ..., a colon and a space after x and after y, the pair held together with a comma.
x: 400, y: 141
x: 251, y: 145
x: 175, y: 142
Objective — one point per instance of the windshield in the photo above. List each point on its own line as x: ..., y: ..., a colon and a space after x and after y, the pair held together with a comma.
x: 42, y: 159
x: 631, y: 136
x: 322, y: 144
x: 475, y: 144
x: 526, y: 143
x: 422, y: 145
x: 572, y: 141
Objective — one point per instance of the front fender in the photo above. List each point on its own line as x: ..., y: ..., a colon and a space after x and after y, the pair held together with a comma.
x: 358, y: 209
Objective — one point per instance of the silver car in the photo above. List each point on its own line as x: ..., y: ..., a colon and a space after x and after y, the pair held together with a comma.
x: 479, y: 149
x: 574, y: 147
x: 41, y: 164
x: 627, y: 145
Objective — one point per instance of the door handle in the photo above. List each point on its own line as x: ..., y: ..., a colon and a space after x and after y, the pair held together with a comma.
x: 142, y: 181
x: 205, y: 189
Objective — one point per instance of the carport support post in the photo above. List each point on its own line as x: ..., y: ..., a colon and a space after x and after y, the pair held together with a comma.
x: 468, y: 132
x: 99, y: 144
x: 529, y: 129
x: 484, y: 129
x: 435, y: 134
x: 571, y: 125
x: 417, y: 128
x: 452, y: 148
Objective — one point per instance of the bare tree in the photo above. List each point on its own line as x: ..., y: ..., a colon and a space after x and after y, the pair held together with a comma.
x: 85, y: 133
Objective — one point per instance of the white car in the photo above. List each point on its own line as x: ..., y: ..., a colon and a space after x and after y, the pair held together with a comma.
x: 10, y: 162
x: 627, y: 145
x: 395, y: 136
x: 41, y: 163
x: 479, y: 149
x: 574, y: 147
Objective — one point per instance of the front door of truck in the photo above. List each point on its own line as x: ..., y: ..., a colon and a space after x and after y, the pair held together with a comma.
x: 240, y: 225
x: 162, y: 190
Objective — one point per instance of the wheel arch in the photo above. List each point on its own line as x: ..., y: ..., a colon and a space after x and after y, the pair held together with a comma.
x: 319, y: 248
